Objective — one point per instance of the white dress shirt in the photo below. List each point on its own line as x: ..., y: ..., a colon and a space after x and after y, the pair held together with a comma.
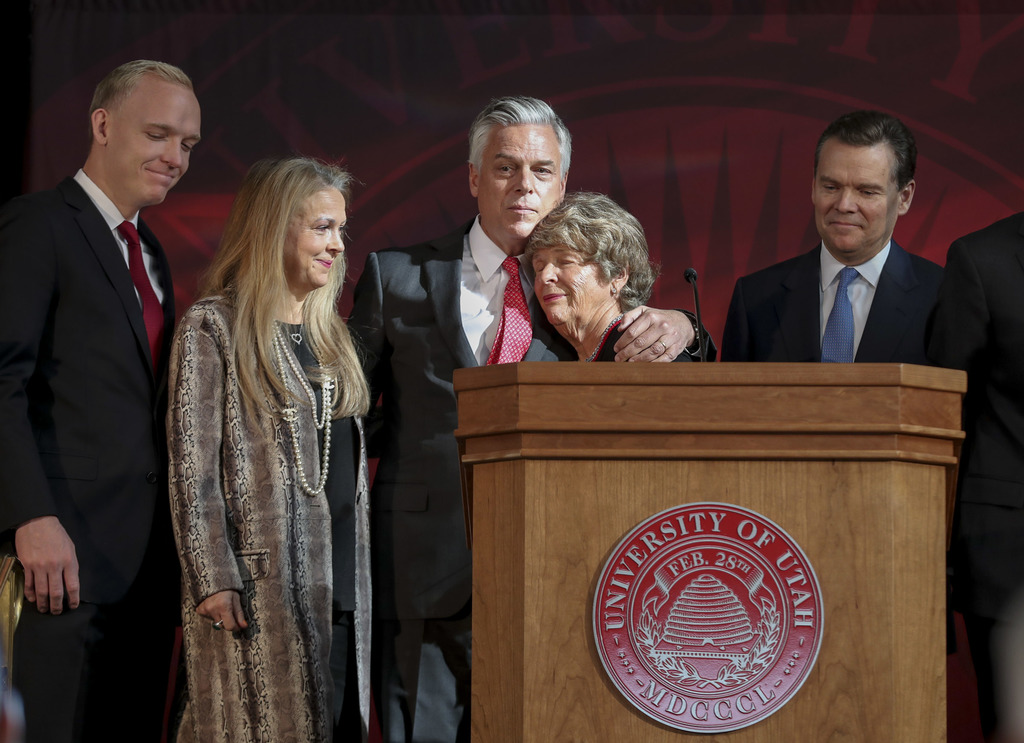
x: 113, y: 218
x: 483, y: 290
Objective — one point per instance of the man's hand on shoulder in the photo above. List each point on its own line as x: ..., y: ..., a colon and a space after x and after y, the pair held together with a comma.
x: 48, y: 556
x: 653, y: 335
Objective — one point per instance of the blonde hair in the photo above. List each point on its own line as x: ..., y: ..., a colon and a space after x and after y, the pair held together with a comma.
x: 121, y: 81
x: 249, y: 271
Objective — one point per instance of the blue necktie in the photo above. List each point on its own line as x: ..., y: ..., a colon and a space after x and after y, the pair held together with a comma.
x: 837, y: 345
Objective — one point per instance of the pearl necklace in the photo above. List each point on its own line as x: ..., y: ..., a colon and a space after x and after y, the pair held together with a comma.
x: 604, y: 335
x: 291, y: 414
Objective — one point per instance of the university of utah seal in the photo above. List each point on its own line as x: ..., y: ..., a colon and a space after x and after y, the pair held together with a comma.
x: 708, y: 617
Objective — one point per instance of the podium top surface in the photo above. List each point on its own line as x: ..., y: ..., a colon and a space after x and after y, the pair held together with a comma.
x: 714, y: 374
x: 900, y: 411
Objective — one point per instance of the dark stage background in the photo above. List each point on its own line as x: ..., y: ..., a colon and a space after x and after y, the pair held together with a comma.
x: 699, y: 117
x: 702, y: 123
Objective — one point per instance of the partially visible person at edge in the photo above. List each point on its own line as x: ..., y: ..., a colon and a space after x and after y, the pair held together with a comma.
x: 259, y: 368
x: 12, y: 712
x: 420, y: 313
x: 86, y: 316
x: 590, y: 263
x: 978, y: 326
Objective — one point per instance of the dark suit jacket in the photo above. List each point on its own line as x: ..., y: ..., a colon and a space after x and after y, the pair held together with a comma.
x: 81, y: 414
x: 408, y: 317
x: 978, y: 325
x: 774, y: 313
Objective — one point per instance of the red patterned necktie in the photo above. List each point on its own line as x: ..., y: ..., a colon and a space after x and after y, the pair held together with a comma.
x: 514, y: 329
x: 152, y: 312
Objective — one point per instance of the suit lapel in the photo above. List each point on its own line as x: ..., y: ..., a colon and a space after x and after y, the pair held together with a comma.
x: 104, y: 247
x: 1020, y: 252
x: 885, y: 325
x: 798, y: 310
x: 165, y: 275
x: 164, y: 269
x: 442, y: 276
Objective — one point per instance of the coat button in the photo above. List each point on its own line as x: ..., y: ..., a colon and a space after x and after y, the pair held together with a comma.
x: 151, y: 478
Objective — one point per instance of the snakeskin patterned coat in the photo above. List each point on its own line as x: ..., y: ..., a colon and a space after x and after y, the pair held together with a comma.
x: 243, y: 522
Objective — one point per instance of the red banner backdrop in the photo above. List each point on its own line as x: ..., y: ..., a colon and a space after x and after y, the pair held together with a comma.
x: 702, y: 121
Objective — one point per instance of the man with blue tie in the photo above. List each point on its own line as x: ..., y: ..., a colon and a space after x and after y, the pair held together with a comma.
x: 858, y: 296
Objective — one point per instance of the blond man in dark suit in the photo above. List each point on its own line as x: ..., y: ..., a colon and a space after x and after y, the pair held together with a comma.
x: 83, y: 475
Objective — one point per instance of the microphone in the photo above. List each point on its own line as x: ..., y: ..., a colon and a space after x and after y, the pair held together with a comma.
x: 702, y: 344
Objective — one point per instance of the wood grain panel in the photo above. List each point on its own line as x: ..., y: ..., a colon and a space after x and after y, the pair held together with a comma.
x: 868, y: 508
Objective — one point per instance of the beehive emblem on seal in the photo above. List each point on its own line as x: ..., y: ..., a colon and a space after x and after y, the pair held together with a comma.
x: 708, y: 617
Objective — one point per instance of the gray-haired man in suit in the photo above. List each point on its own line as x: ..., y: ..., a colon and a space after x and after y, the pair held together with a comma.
x: 421, y: 313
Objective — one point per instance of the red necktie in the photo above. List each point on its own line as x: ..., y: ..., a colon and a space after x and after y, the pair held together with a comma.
x: 152, y: 312
x: 514, y: 329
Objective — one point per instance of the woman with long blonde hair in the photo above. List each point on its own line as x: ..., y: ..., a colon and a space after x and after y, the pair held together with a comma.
x: 266, y: 394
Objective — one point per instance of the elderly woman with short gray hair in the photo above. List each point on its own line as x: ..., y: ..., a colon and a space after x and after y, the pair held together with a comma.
x: 591, y: 265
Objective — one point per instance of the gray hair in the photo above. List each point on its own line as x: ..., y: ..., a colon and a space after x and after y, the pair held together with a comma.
x: 516, y: 111
x: 604, y: 234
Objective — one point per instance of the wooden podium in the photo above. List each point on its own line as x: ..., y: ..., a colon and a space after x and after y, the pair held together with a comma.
x: 856, y: 462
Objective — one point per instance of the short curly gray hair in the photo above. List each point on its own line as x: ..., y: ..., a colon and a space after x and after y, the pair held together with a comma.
x: 604, y: 234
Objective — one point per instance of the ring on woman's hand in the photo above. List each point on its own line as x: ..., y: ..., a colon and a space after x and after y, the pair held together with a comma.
x: 219, y: 625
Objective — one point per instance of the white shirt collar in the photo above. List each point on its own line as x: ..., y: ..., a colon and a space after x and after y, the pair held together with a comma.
x: 487, y: 256
x: 110, y: 213
x: 870, y: 270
